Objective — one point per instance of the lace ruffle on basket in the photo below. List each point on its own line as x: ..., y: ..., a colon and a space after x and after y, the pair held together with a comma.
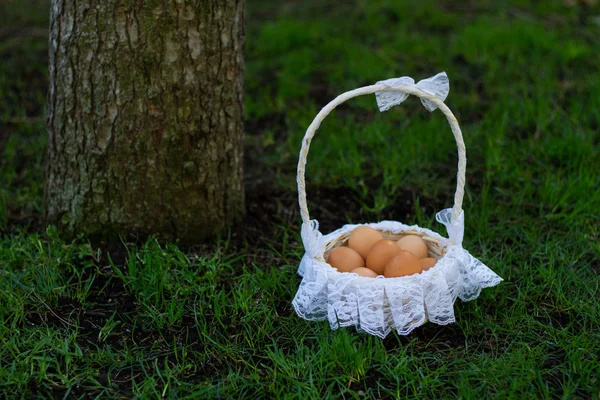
x: 378, y: 305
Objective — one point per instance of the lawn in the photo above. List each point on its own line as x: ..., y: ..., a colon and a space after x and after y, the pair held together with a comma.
x: 146, y: 319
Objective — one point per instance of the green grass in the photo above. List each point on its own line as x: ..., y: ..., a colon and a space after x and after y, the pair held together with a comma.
x: 148, y: 320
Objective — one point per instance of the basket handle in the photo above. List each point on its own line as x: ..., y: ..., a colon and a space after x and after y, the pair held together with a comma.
x: 404, y: 87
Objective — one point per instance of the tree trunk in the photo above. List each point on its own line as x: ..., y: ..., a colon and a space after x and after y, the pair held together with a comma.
x: 145, y: 113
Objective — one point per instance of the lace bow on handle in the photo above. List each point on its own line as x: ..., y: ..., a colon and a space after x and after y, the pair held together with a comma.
x: 438, y: 86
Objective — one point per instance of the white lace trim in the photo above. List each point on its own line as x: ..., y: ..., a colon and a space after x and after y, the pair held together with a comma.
x: 378, y: 305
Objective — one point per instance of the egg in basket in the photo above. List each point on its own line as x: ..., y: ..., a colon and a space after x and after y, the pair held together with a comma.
x: 388, y: 275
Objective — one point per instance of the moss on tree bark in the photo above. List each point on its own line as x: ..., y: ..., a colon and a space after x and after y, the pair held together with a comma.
x: 145, y: 113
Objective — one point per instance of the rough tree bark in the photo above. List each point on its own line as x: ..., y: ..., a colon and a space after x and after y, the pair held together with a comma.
x: 145, y: 113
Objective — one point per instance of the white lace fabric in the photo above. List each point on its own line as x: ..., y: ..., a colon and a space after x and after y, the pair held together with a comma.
x: 378, y: 305
x: 438, y: 85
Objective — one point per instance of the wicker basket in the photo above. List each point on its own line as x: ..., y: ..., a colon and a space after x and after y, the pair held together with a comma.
x: 378, y: 305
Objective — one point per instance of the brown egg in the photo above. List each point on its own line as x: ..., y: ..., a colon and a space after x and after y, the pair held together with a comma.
x: 344, y: 259
x: 365, y: 272
x: 414, y: 244
x: 403, y: 264
x: 380, y: 253
x: 427, y: 263
x: 362, y: 238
